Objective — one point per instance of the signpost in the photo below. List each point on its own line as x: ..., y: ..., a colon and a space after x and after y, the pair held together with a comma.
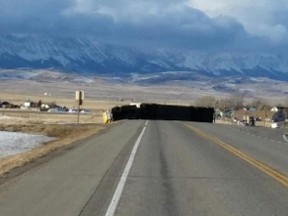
x: 79, y: 97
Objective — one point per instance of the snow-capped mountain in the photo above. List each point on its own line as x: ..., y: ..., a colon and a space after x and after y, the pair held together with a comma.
x: 88, y: 55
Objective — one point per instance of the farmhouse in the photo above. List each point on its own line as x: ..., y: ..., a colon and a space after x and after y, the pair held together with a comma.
x: 7, y: 105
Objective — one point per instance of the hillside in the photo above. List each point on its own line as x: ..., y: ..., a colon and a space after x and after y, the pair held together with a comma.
x: 88, y: 56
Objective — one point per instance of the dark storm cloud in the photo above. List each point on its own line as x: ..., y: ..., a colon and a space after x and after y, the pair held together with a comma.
x: 24, y: 16
x: 161, y: 24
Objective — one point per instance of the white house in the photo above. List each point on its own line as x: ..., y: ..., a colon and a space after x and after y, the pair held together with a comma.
x: 274, y: 109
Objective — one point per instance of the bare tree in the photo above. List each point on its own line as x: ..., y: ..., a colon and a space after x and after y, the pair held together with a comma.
x: 260, y: 104
x: 286, y: 102
x: 222, y: 104
x: 205, y: 101
x: 236, y: 102
x: 232, y: 103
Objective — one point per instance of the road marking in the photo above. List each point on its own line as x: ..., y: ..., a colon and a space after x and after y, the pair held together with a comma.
x: 118, y: 192
x: 257, y: 164
x: 285, y: 137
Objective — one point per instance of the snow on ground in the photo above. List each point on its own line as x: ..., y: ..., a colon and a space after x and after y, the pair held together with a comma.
x: 12, y: 143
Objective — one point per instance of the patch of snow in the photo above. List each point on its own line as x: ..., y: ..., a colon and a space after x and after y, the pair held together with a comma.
x: 57, y: 110
x: 84, y: 80
x: 12, y: 143
x: 145, y: 78
x: 230, y: 85
x: 73, y: 111
x: 76, y: 111
x: 248, y: 89
x: 256, y: 79
x: 84, y: 111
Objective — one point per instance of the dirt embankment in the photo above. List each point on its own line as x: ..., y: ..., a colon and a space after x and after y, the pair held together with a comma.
x: 65, y: 135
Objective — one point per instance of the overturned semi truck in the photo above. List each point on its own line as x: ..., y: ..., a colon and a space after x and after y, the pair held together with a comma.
x: 163, y: 112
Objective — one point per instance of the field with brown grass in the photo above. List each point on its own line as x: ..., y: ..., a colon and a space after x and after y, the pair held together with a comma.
x: 100, y: 95
x: 65, y: 135
x: 62, y: 126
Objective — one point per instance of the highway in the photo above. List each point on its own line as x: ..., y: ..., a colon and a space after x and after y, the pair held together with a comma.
x: 157, y: 168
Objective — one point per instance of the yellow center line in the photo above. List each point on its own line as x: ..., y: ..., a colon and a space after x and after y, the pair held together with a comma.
x: 283, y: 179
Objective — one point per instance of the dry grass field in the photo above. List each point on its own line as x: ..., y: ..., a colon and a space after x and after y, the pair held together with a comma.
x: 62, y: 126
x: 65, y: 135
x: 100, y: 95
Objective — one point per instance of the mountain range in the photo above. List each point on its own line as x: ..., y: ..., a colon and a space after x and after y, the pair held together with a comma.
x: 86, y: 55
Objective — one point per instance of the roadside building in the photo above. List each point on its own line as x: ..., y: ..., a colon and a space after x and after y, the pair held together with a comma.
x: 7, y: 105
x: 274, y: 109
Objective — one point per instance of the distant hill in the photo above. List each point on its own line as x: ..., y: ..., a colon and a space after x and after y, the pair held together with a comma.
x: 89, y: 56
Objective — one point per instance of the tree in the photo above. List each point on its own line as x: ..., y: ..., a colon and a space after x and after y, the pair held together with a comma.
x: 286, y: 102
x: 205, y: 101
x: 221, y: 104
x: 236, y: 102
x: 232, y: 103
x: 260, y: 104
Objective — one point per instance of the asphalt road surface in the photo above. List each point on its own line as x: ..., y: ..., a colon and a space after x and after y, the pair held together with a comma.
x: 157, y: 168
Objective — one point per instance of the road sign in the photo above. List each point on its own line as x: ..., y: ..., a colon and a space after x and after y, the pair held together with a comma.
x: 79, y: 97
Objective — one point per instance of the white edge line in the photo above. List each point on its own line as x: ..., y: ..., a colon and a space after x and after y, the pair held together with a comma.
x: 146, y: 123
x: 118, y: 192
x: 285, y: 137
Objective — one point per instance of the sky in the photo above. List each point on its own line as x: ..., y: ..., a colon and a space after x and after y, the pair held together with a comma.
x: 238, y: 25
